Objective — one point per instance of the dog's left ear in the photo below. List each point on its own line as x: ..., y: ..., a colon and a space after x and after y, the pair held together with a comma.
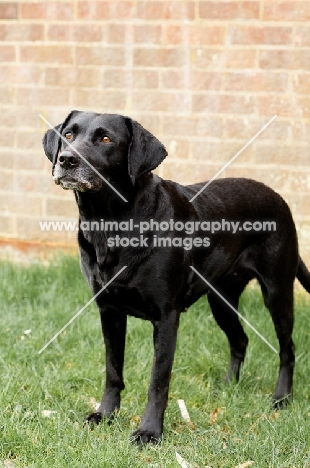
x: 145, y: 151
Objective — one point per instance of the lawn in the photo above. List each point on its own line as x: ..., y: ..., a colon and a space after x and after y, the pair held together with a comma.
x: 44, y: 398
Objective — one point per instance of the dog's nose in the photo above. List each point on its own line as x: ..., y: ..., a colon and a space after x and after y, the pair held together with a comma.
x: 68, y: 159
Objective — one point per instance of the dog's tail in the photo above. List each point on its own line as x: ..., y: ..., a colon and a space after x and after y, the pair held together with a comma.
x: 303, y: 275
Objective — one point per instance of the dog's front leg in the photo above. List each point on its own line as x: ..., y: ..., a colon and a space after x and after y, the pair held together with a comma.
x: 165, y: 335
x: 114, y: 331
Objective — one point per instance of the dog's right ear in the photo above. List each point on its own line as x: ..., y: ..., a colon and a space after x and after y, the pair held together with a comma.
x: 51, y: 143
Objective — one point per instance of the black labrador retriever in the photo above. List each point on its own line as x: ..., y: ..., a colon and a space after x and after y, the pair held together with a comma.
x: 107, y: 159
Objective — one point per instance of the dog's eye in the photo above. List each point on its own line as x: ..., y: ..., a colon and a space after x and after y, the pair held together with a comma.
x: 68, y: 135
x: 105, y: 139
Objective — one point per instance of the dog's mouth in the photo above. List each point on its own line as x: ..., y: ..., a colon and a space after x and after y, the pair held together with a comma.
x: 69, y: 183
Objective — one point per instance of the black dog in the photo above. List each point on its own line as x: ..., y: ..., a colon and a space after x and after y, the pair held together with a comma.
x: 158, y: 282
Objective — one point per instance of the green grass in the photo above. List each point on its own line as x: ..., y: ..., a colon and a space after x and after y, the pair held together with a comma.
x: 71, y: 371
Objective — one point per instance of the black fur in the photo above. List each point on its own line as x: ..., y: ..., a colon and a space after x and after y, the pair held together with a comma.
x: 158, y: 283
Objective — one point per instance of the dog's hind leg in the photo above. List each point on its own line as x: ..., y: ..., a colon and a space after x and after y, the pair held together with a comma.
x: 229, y: 322
x: 280, y: 304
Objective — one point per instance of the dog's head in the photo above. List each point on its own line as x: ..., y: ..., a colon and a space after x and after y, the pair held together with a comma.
x: 88, y: 149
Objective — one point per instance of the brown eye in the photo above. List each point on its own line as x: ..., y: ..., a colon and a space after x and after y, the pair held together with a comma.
x: 105, y: 139
x: 68, y: 135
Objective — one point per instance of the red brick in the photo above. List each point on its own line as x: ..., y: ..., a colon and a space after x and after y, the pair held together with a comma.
x: 145, y: 79
x: 6, y: 180
x: 19, y: 117
x: 286, y: 11
x: 21, y: 32
x: 27, y: 139
x: 175, y: 79
x: 29, y: 228
x: 7, y: 53
x: 252, y: 35
x: 195, y: 34
x: 27, y: 182
x: 55, y: 115
x: 165, y: 10
x: 98, y: 55
x: 118, y: 78
x: 301, y: 130
x: 158, y: 57
x: 7, y: 138
x: 206, y: 81
x: 99, y: 100
x: 8, y: 11
x: 6, y: 159
x: 286, y: 59
x: 46, y: 54
x: 20, y: 203
x: 29, y: 160
x: 229, y: 10
x: 304, y: 106
x: 190, y: 126
x: 299, y: 204
x: 47, y: 10
x: 279, y: 179
x: 57, y: 208
x: 301, y: 83
x: 149, y: 121
x: 219, y: 59
x: 42, y: 97
x: 177, y: 148
x: 302, y: 36
x: 241, y: 59
x: 223, y: 104
x: 256, y: 81
x: 79, y: 77
x: 148, y: 34
x: 214, y: 151
x: 160, y: 101
x: 245, y: 129
x: 7, y: 95
x: 22, y: 75
x: 98, y: 11
x: 282, y: 105
x: 6, y: 225
x: 277, y: 154
x: 197, y: 80
x: 74, y: 33
x: 187, y: 173
x: 116, y: 33
x: 122, y: 78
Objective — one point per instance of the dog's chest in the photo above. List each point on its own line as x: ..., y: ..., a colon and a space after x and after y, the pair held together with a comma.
x: 130, y: 300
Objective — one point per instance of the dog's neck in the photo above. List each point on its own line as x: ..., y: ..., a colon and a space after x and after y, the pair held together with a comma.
x: 108, y: 204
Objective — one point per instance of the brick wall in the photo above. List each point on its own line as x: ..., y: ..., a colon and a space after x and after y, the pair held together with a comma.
x: 203, y: 76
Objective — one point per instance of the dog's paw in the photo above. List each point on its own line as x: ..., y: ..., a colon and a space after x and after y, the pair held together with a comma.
x: 281, y: 402
x: 142, y: 437
x: 93, y: 420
